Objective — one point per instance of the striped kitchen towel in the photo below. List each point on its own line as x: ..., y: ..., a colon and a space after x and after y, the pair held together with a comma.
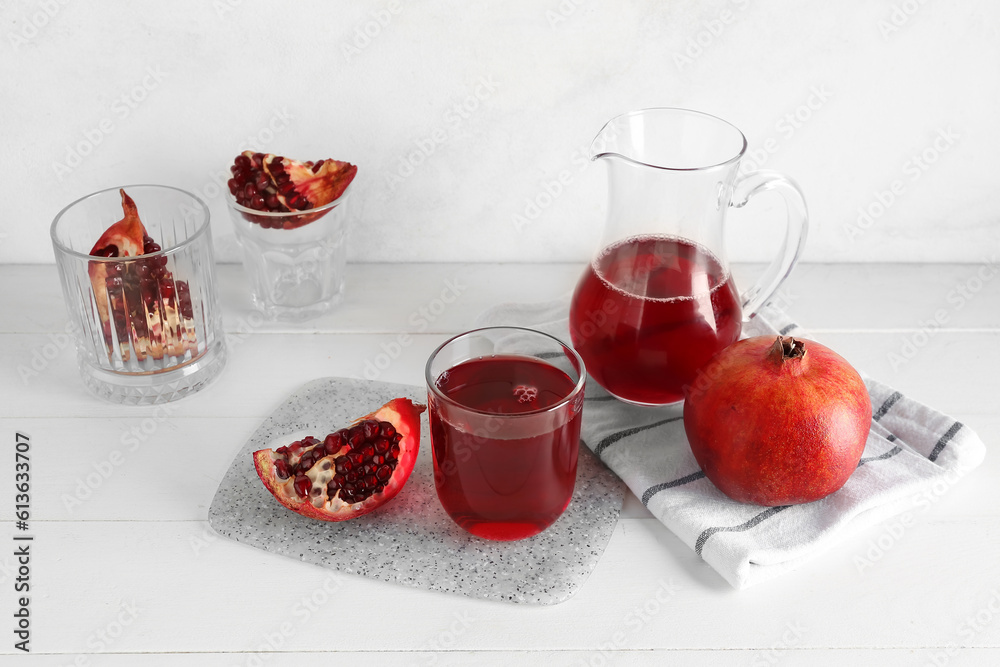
x: 911, y: 450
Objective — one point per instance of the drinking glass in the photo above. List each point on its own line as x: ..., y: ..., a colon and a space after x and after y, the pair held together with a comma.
x: 658, y: 300
x: 295, y: 260
x: 147, y: 328
x: 505, y: 409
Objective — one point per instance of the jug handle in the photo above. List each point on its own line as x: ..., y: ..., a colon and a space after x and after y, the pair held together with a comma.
x: 797, y: 225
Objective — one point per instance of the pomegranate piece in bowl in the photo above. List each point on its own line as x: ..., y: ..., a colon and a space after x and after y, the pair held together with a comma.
x: 351, y: 471
x: 151, y: 313
x: 274, y: 184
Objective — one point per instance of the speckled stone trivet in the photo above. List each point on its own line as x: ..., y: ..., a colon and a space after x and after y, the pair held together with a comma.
x: 411, y: 540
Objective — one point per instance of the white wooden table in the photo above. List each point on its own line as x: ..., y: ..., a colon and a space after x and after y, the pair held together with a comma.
x: 125, y: 571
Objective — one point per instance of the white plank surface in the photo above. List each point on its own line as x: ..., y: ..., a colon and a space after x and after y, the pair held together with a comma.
x: 197, y: 593
x: 775, y: 655
x: 264, y: 367
x: 129, y: 528
x: 383, y: 297
x: 170, y: 470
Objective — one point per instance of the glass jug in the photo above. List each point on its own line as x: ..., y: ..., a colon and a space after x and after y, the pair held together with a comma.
x: 658, y: 300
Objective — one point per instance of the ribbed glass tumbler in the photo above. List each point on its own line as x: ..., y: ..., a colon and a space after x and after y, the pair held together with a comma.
x: 148, y: 327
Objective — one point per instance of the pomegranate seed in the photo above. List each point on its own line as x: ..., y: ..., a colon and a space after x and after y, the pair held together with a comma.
x: 383, y: 473
x: 351, y: 477
x: 382, y: 445
x: 371, y: 481
x: 396, y: 438
x: 302, y: 485
x: 166, y: 290
x: 261, y: 181
x: 282, y: 450
x: 356, y: 458
x: 394, y: 452
x: 232, y: 185
x: 339, y: 479
x: 333, y: 443
x: 368, y: 451
x: 258, y: 159
x: 370, y: 428
x: 281, y: 468
x: 272, y: 202
x: 387, y: 430
x: 332, y: 488
x: 242, y: 161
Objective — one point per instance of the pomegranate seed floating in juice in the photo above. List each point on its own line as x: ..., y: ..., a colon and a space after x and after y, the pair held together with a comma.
x: 505, y: 431
x: 649, y: 312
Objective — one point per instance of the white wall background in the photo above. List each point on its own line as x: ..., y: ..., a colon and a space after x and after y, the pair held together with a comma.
x: 169, y: 92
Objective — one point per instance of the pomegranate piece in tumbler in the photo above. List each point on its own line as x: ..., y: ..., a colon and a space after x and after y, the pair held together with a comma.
x: 151, y: 313
x: 275, y: 184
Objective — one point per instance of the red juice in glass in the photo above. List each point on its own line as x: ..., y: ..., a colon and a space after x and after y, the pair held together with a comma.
x: 505, y: 450
x: 649, y: 312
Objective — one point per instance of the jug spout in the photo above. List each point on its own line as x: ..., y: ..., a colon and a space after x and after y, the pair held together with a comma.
x: 608, y: 143
x: 671, y: 139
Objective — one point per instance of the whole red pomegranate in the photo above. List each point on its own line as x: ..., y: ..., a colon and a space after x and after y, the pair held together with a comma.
x: 778, y: 422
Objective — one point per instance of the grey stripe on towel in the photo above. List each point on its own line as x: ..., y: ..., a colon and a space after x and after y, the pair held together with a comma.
x: 949, y: 434
x: 708, y: 532
x: 615, y: 437
x: 653, y: 490
x: 889, y: 402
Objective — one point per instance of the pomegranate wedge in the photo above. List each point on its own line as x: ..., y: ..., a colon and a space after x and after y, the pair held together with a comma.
x: 351, y: 471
